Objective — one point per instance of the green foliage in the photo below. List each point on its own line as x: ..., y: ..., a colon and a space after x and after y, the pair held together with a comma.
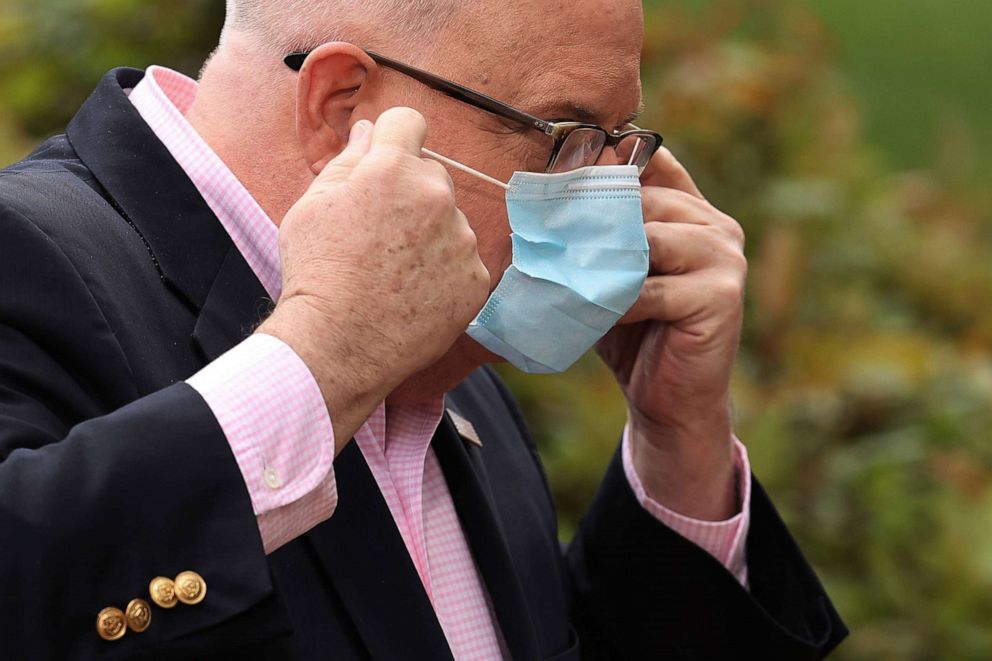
x: 864, y: 387
x: 53, y: 52
x: 918, y: 64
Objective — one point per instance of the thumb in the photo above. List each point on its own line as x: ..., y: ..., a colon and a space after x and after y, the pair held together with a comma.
x: 339, y: 168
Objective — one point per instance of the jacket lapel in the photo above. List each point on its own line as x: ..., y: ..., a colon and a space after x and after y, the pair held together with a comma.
x: 465, y: 473
x: 148, y: 188
x: 234, y: 306
x: 362, y: 552
x: 192, y: 251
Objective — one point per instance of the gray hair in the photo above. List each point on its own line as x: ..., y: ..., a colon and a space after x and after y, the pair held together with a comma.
x: 290, y: 25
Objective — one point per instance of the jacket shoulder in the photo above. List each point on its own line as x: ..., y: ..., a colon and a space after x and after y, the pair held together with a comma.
x: 52, y: 192
x: 50, y: 182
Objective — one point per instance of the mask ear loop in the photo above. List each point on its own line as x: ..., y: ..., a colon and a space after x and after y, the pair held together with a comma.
x: 464, y: 168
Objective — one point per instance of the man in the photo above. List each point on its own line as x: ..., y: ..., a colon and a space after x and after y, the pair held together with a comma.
x: 193, y: 471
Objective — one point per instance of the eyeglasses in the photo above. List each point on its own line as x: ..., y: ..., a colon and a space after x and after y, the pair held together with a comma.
x: 576, y: 144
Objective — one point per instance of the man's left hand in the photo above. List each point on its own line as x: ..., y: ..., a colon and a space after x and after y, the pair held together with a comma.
x: 674, y: 351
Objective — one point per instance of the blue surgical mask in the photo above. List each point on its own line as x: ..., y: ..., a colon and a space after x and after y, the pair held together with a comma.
x: 580, y: 258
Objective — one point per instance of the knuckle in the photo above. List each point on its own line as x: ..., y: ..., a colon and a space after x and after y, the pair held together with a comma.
x: 461, y: 243
x: 735, y: 231
x: 469, y: 242
x: 739, y: 263
x: 650, y: 196
x: 654, y: 288
x: 481, y: 274
x: 653, y: 230
x: 729, y: 253
x: 727, y: 224
x: 469, y: 237
x: 437, y: 194
x: 435, y: 169
x: 667, y: 160
x: 729, y: 290
x: 665, y: 154
x: 653, y: 236
x: 481, y: 278
x: 652, y: 208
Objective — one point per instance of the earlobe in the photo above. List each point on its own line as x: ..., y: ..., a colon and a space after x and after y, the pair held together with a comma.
x: 332, y: 83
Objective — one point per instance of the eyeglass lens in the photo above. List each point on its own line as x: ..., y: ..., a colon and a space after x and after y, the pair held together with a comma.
x: 585, y: 146
x: 582, y: 147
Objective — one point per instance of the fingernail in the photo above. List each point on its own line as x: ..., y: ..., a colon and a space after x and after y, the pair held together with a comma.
x: 359, y: 130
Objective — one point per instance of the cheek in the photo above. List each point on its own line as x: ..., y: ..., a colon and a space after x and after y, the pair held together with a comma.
x: 485, y: 208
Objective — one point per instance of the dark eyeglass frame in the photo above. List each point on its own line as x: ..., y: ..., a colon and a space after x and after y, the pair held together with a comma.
x: 557, y: 130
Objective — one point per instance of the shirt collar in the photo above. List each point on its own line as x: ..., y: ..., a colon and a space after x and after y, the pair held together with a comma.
x: 162, y: 98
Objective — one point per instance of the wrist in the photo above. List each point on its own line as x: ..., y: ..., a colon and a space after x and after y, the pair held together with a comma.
x: 690, y: 469
x: 351, y: 383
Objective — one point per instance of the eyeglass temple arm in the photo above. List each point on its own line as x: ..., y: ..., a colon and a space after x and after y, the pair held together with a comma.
x: 295, y: 62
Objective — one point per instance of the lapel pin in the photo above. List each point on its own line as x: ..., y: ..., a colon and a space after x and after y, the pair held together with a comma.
x: 465, y: 429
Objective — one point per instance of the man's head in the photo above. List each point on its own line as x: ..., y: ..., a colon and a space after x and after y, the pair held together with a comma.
x: 305, y: 24
x: 276, y: 128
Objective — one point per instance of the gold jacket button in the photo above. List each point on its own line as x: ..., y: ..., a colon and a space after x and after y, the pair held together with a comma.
x: 163, y: 592
x: 190, y: 588
x: 139, y: 615
x: 110, y: 624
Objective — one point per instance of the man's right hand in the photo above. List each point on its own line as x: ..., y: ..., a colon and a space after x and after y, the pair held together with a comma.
x: 381, y: 272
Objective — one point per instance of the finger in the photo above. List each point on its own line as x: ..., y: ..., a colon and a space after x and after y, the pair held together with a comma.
x: 401, y: 128
x: 439, y: 171
x: 665, y: 170
x: 667, y: 205
x: 359, y: 143
x: 676, y: 248
x: 676, y: 298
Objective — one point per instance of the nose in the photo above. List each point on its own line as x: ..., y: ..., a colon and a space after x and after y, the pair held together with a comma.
x: 609, y: 156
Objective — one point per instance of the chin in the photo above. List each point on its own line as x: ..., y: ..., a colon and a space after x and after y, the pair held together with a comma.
x: 480, y: 354
x: 464, y: 357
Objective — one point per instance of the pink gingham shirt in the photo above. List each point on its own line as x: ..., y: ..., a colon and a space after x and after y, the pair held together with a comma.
x: 274, y: 416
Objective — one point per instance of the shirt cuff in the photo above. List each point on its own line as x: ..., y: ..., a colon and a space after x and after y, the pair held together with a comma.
x: 272, y: 412
x: 724, y: 540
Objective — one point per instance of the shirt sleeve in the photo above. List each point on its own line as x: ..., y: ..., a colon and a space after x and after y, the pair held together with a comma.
x: 724, y: 540
x: 272, y: 412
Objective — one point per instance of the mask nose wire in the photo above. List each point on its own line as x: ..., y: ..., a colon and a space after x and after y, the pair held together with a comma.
x: 464, y: 168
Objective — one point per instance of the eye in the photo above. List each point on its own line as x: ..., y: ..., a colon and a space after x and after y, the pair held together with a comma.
x: 529, y: 154
x: 503, y: 127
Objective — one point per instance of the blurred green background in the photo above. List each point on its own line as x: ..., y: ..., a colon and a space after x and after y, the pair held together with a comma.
x: 852, y: 139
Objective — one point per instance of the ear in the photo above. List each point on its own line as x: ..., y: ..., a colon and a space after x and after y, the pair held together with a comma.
x: 332, y: 83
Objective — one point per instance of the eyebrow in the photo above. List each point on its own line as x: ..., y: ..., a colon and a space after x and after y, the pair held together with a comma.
x: 632, y: 117
x: 562, y: 109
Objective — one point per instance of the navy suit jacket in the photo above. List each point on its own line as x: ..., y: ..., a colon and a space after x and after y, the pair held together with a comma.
x: 116, y: 283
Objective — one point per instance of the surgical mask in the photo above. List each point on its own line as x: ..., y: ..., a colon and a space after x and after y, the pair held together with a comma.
x: 580, y: 258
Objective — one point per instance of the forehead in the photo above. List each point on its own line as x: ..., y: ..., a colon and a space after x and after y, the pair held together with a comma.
x: 547, y: 57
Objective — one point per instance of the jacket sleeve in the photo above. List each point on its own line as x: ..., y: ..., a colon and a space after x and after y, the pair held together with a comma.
x: 640, y: 590
x: 101, y: 491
